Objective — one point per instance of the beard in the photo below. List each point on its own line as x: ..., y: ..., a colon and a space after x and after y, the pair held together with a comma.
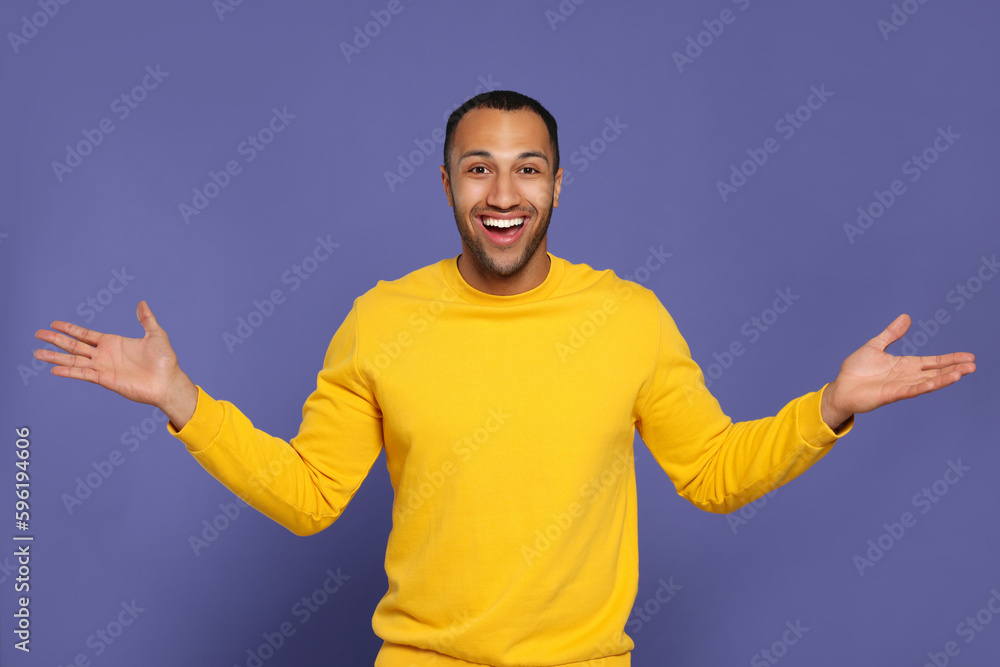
x: 476, y: 246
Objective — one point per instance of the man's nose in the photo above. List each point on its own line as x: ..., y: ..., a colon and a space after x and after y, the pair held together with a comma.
x: 503, y: 194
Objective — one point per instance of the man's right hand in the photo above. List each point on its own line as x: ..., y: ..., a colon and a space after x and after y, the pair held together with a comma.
x: 143, y: 369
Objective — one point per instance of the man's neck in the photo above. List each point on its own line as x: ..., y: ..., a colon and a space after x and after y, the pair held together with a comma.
x: 528, y: 278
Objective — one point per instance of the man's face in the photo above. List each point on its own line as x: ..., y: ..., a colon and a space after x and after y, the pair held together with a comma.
x: 501, y: 173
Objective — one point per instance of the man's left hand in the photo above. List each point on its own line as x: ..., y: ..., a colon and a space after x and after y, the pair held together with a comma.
x: 871, y: 378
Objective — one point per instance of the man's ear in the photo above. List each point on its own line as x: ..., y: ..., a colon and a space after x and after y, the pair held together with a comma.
x: 557, y: 187
x: 446, y: 182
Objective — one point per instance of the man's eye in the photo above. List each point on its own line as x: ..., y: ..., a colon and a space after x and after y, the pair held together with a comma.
x: 530, y: 170
x: 478, y: 167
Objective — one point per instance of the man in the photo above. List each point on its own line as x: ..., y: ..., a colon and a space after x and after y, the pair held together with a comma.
x: 506, y: 385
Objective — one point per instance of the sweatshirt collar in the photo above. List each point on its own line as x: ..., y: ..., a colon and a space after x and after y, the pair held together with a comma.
x: 470, y: 294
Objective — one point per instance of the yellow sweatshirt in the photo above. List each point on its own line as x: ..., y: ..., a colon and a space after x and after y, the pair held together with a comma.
x: 508, y: 424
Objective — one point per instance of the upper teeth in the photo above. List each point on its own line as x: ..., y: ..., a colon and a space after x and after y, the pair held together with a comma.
x: 497, y: 222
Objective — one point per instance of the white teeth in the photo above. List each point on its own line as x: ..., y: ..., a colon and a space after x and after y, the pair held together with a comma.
x: 496, y: 222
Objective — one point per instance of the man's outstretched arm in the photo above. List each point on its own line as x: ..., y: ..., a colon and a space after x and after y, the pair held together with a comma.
x: 303, y: 484
x: 871, y: 378
x: 719, y: 465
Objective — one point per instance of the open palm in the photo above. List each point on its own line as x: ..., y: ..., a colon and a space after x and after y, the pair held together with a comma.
x: 140, y: 369
x: 871, y: 377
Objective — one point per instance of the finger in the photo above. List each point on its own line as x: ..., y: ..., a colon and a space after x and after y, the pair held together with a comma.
x: 85, y: 374
x: 80, y: 333
x: 962, y: 369
x: 64, y: 342
x: 955, y: 370
x: 146, y: 318
x: 944, y: 360
x: 937, y: 380
x: 891, y: 333
x: 60, y: 359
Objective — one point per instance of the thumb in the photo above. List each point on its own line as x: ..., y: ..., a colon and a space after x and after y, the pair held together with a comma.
x: 892, y: 333
x: 146, y: 318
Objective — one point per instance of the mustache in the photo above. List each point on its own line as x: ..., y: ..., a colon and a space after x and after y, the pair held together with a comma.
x: 527, y: 212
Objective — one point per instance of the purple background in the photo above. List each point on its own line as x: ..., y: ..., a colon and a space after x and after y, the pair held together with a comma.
x: 654, y: 185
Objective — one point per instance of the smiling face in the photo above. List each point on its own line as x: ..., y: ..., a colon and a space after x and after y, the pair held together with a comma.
x: 502, y: 188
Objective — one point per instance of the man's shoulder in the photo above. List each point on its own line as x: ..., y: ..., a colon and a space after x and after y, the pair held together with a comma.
x: 581, y: 276
x: 425, y: 282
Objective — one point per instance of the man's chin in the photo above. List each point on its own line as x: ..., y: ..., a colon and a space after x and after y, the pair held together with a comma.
x: 502, y: 263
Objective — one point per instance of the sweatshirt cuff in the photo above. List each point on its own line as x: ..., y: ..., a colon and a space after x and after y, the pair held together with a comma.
x: 812, y: 428
x: 204, y: 425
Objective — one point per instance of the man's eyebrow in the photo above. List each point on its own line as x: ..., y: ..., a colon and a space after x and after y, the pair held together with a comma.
x: 489, y: 156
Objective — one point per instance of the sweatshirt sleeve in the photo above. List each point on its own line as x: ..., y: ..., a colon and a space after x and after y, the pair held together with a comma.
x: 716, y: 464
x: 306, y: 483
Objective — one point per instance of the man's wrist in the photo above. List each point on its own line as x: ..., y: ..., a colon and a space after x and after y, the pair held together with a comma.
x: 180, y: 401
x: 832, y: 416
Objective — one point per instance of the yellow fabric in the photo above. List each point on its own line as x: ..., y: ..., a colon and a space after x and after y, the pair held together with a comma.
x: 508, y: 424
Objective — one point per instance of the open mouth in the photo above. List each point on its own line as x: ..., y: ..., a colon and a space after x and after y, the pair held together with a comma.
x: 503, y: 231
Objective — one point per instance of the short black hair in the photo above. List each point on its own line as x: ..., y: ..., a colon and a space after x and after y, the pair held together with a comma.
x: 501, y: 100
